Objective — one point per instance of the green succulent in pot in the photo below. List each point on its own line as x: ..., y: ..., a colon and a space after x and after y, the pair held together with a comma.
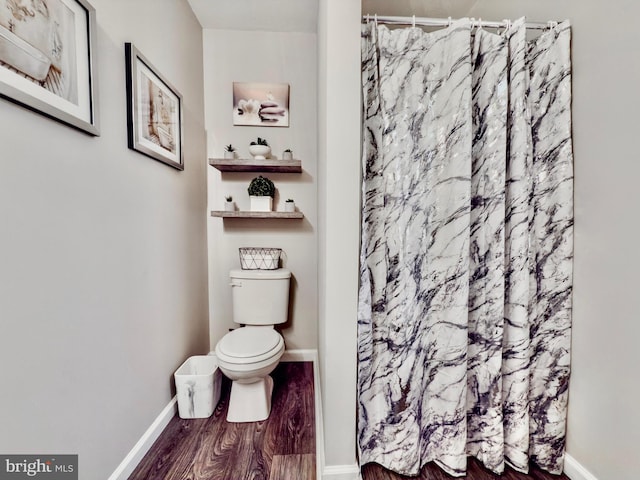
x: 261, y: 141
x: 229, y: 151
x: 260, y: 149
x: 261, y: 187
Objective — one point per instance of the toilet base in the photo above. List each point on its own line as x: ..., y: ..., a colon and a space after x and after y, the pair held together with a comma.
x: 250, y: 402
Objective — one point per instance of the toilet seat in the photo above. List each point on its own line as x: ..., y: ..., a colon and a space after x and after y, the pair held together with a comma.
x: 249, y: 345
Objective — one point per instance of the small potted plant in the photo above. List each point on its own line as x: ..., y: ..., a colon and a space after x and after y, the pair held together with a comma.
x: 287, y: 154
x: 261, y: 191
x: 229, y: 151
x: 229, y: 206
x: 289, y: 205
x: 260, y: 149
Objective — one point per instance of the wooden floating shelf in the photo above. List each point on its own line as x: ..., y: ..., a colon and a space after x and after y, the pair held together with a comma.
x: 253, y: 165
x: 239, y: 214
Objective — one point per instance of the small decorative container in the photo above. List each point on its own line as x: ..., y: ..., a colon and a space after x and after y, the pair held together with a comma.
x: 257, y: 258
x: 198, y: 385
x: 261, y: 191
x: 260, y: 204
x: 229, y: 152
x: 260, y: 149
x: 287, y: 155
x: 289, y: 206
x: 260, y: 152
x: 229, y: 206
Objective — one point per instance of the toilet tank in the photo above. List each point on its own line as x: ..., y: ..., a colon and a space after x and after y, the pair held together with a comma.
x: 260, y: 297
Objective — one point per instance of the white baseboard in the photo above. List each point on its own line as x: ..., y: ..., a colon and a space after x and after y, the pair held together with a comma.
x: 301, y: 356
x: 572, y: 468
x: 139, y: 450
x: 323, y: 472
x: 575, y: 471
x: 341, y: 472
x: 318, y: 411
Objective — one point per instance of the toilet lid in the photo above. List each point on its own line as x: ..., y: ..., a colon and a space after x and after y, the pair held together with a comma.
x: 249, y: 342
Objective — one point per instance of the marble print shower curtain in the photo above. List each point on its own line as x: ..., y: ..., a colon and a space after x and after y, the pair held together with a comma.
x: 467, y: 246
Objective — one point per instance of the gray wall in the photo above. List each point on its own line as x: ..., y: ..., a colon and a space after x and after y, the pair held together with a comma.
x: 339, y: 226
x: 103, y: 256
x: 604, y: 422
x: 278, y: 57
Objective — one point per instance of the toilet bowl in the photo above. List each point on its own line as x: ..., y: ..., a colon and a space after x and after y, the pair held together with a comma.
x: 247, y: 355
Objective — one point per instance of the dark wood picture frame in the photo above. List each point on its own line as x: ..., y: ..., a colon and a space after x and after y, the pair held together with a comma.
x: 154, y: 111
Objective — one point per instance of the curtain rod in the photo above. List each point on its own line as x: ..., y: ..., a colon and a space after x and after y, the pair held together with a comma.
x: 444, y: 22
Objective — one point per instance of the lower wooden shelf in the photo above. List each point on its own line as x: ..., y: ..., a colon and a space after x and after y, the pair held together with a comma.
x: 240, y: 214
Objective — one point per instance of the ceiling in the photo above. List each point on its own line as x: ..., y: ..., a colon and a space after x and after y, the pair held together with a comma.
x: 261, y: 15
x: 419, y: 8
x: 302, y: 15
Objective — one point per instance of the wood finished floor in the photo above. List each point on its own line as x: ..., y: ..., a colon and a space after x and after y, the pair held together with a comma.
x: 280, y: 448
x: 475, y: 471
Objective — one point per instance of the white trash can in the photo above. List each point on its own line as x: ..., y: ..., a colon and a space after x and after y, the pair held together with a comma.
x: 198, y: 382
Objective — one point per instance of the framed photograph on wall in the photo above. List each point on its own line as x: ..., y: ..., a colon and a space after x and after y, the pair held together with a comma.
x: 262, y: 104
x: 154, y: 111
x: 47, y: 59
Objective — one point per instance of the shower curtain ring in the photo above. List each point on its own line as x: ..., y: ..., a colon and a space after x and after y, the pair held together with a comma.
x: 414, y: 21
x: 375, y: 19
x: 449, y: 22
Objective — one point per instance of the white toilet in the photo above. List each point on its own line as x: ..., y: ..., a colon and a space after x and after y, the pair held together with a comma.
x: 248, y: 354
